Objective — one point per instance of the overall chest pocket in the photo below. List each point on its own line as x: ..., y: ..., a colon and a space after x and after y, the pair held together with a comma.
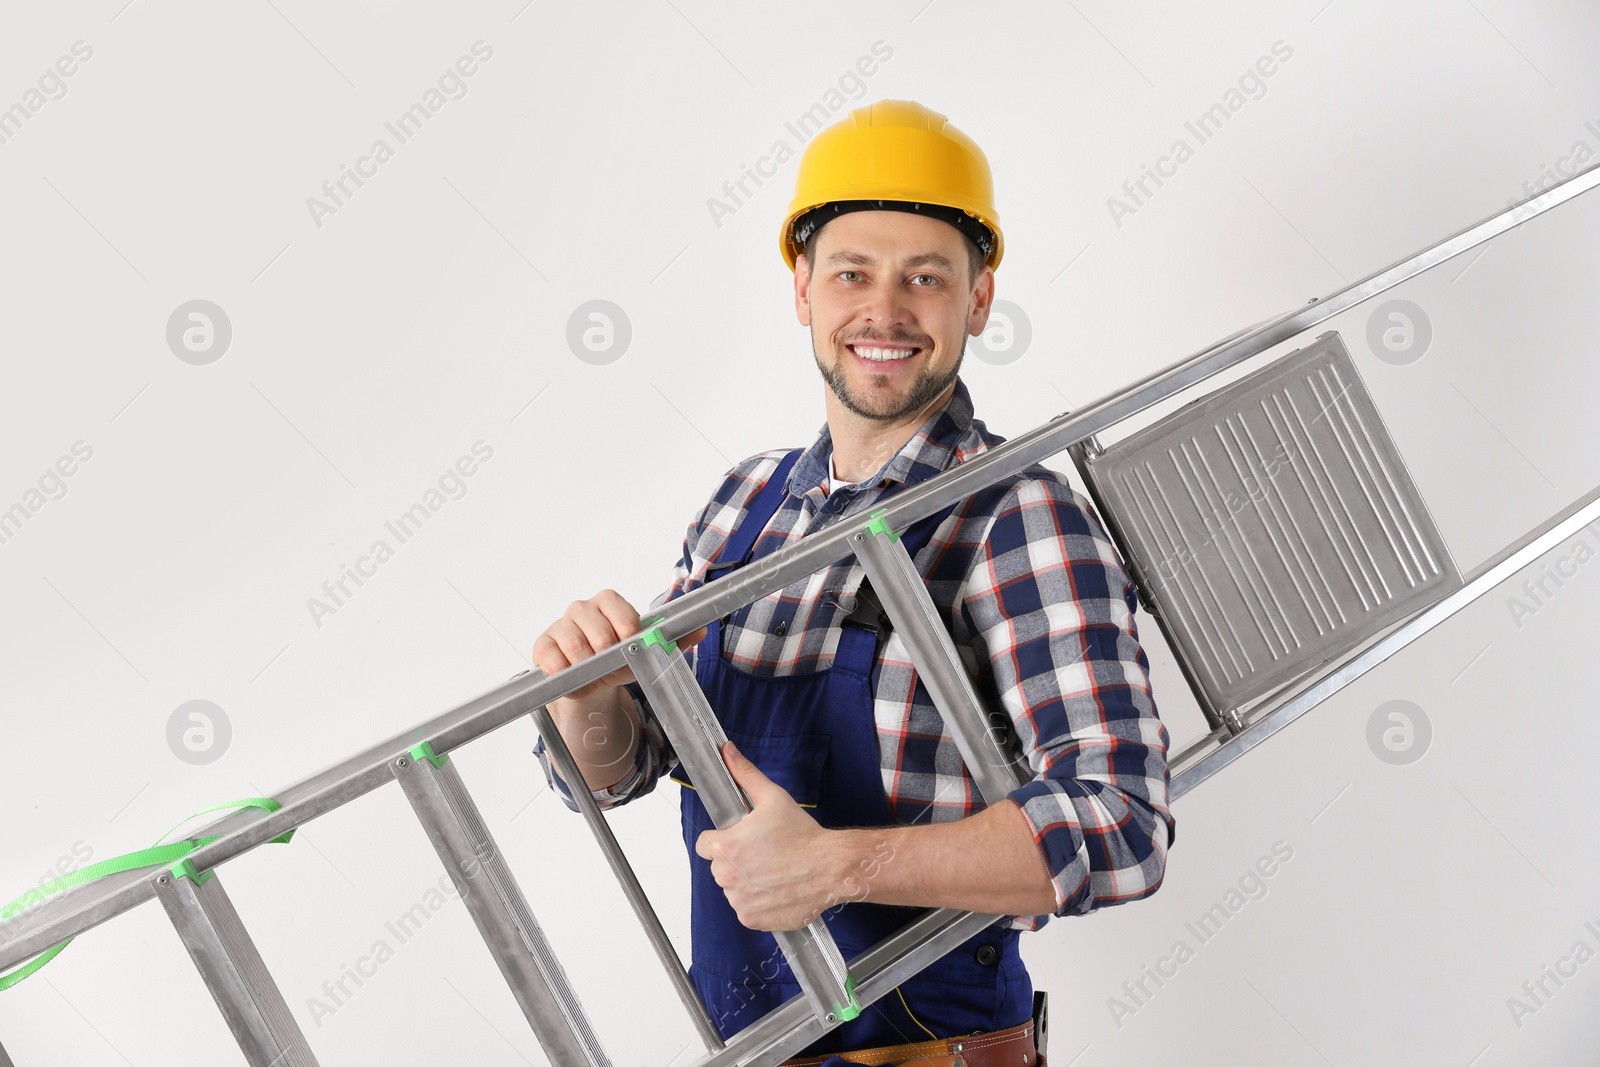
x: 797, y: 762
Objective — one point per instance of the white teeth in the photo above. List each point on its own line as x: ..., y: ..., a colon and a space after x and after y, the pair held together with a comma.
x: 879, y: 355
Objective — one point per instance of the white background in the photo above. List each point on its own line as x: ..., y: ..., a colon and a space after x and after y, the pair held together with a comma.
x: 430, y: 312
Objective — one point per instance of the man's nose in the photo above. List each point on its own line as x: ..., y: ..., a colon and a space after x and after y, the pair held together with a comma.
x: 885, y: 310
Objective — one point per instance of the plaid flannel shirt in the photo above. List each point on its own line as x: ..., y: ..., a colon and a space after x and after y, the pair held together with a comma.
x: 1040, y: 607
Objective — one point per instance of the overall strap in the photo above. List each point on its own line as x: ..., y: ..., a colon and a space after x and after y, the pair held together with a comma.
x: 736, y: 549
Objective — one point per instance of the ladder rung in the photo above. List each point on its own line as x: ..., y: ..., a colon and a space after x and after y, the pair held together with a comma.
x: 495, y: 902
x: 984, y: 745
x: 697, y: 737
x: 565, y: 766
x: 232, y: 969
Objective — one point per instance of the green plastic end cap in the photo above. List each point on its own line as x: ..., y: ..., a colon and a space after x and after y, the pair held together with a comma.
x: 184, y: 868
x: 424, y: 751
x: 653, y: 636
x: 846, y: 1012
x: 879, y: 525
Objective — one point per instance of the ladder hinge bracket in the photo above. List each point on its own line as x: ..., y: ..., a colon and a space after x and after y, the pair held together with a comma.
x: 184, y: 868
x: 653, y: 636
x: 879, y: 525
x: 424, y: 751
x: 845, y: 1012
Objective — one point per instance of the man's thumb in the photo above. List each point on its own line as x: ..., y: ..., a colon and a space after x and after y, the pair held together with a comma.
x: 746, y: 774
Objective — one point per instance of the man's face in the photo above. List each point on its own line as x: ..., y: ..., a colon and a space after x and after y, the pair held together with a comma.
x: 890, y: 307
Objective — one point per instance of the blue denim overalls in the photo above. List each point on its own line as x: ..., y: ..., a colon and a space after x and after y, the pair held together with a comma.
x: 814, y: 735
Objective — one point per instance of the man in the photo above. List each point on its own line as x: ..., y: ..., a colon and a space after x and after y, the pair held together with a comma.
x: 862, y: 810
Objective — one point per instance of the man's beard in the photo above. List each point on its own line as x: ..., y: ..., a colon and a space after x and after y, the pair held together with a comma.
x: 924, y: 390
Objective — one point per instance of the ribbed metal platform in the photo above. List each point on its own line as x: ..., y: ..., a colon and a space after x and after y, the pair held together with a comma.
x: 1271, y: 525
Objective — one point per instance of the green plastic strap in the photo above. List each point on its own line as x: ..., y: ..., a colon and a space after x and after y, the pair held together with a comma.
x: 424, y: 751
x: 879, y: 525
x: 653, y: 636
x: 9, y: 980
x: 174, y: 856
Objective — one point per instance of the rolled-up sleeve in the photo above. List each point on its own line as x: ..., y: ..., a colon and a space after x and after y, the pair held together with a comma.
x: 1050, y: 610
x: 652, y: 757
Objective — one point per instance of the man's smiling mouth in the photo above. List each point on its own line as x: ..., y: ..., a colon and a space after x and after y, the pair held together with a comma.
x: 889, y: 354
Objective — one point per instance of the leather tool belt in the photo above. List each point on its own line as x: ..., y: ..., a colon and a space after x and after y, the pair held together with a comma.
x: 998, y: 1048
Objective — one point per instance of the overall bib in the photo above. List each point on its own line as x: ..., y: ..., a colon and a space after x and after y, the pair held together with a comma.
x: 814, y: 735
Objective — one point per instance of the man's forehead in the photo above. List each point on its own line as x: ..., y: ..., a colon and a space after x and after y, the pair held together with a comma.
x: 850, y: 256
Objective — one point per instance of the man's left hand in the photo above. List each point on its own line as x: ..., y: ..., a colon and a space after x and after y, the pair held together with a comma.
x: 776, y: 863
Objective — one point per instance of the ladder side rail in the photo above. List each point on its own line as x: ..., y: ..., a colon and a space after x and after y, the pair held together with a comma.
x: 714, y: 600
x: 334, y: 786
x: 69, y: 913
x: 700, y: 606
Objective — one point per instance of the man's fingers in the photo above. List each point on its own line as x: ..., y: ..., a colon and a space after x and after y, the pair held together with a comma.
x: 588, y: 628
x: 605, y: 620
x: 574, y: 645
x: 624, y: 620
x: 548, y: 655
x: 593, y: 624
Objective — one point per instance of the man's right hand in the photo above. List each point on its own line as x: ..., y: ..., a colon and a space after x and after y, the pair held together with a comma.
x: 597, y: 721
x: 587, y: 627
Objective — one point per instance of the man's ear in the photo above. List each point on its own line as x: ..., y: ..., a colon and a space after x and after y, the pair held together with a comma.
x: 802, y: 289
x: 982, y: 302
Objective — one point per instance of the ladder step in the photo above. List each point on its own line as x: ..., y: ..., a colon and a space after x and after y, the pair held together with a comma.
x: 697, y: 737
x: 1273, y: 527
x: 984, y: 742
x: 495, y: 902
x: 232, y: 969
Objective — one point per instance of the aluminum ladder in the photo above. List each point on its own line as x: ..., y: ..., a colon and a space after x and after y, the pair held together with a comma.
x: 1326, y: 575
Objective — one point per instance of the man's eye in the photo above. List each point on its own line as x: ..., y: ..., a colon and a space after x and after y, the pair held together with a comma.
x: 930, y: 277
x: 843, y: 273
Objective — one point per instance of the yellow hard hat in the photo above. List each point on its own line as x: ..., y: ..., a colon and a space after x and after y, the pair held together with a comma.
x: 894, y: 154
